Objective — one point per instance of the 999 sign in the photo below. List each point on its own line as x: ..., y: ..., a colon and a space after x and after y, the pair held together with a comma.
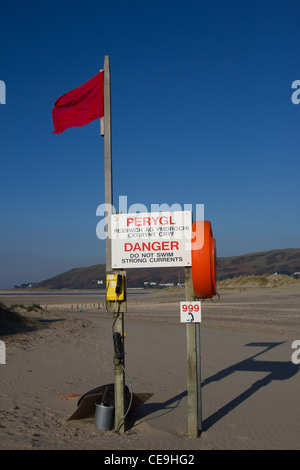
x: 190, y: 312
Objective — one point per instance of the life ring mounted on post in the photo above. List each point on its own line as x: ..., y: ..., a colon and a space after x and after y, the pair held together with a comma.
x: 204, y: 260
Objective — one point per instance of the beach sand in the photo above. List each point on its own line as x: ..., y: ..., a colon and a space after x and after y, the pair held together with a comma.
x: 250, y: 387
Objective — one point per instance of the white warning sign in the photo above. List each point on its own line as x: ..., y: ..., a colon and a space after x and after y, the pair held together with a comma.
x: 154, y: 239
x: 190, y: 312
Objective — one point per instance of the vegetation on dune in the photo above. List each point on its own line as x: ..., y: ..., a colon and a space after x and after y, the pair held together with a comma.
x: 29, y: 308
x: 265, y: 280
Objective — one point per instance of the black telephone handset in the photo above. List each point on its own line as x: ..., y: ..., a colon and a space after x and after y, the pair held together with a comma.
x: 119, y: 284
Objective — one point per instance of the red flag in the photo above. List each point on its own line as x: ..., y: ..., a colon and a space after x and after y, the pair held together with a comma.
x: 80, y: 106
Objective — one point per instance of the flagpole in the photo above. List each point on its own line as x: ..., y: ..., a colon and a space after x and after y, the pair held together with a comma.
x: 107, y: 159
x: 118, y: 319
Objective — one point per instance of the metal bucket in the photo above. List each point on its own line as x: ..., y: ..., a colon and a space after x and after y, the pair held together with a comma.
x: 104, y: 416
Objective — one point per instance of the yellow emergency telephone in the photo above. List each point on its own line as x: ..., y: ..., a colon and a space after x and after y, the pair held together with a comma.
x: 115, y: 287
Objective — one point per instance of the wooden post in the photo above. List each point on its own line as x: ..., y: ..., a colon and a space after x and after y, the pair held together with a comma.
x: 118, y: 317
x: 199, y: 386
x: 107, y: 161
x: 192, y: 384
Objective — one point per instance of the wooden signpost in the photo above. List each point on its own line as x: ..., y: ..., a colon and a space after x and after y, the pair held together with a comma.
x: 153, y: 251
x: 118, y: 320
x: 193, y: 366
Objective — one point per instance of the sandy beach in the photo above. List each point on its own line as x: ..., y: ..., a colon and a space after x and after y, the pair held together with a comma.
x: 250, y: 387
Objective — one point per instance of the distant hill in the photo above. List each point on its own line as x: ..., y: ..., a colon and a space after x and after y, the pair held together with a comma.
x: 268, y: 262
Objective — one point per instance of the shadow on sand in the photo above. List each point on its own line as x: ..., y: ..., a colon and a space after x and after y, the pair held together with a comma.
x: 275, y: 371
x: 12, y: 322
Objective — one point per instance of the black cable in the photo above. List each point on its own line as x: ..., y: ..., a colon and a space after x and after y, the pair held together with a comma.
x: 118, y: 346
x: 117, y: 316
x: 119, y: 353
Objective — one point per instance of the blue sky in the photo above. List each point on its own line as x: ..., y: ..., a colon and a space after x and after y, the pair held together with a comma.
x: 201, y: 114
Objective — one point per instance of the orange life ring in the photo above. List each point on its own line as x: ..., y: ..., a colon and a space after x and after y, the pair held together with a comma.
x: 204, y: 260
